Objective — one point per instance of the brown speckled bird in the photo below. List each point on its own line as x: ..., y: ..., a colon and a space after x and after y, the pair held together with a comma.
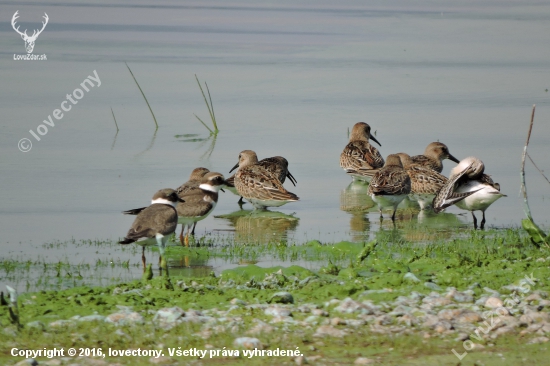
x: 425, y: 182
x: 277, y: 165
x: 360, y: 159
x: 390, y: 185
x: 433, y: 156
x: 258, y: 185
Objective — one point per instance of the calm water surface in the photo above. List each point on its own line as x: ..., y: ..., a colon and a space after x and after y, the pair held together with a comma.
x: 286, y: 79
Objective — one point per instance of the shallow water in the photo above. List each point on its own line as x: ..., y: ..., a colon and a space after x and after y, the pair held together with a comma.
x: 285, y: 79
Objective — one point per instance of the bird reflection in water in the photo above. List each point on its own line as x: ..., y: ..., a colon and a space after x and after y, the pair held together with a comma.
x: 355, y: 200
x: 260, y: 226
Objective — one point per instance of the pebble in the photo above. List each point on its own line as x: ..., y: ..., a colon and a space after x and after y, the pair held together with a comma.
x: 348, y: 305
x: 436, y: 301
x: 319, y: 312
x: 168, y: 316
x: 248, y: 343
x: 237, y: 302
x: 282, y: 298
x: 162, y: 360
x: 363, y: 361
x: 36, y: 324
x: 124, y: 318
x: 277, y: 311
x: 539, y: 340
x: 337, y: 321
x: 27, y: 362
x: 328, y: 330
x: 493, y: 302
x: 432, y: 286
x: 92, y: 318
x: 411, y: 277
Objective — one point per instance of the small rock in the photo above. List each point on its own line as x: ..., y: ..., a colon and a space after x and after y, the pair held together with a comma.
x: 539, y: 340
x: 327, y: 330
x: 91, y: 318
x: 248, y: 343
x: 61, y: 323
x: 363, y: 361
x: 332, y: 302
x: 277, y: 311
x: 312, y: 319
x: 442, y: 326
x: 237, y: 302
x: 162, y: 360
x: 449, y: 314
x: 493, y: 303
x: 337, y: 321
x: 533, y: 317
x: 502, y: 330
x: 282, y: 298
x: 432, y: 286
x: 532, y: 297
x: 411, y: 277
x: 349, y: 305
x: 319, y: 312
x: 355, y: 322
x: 260, y: 328
x: 436, y: 301
x: 383, y: 320
x: 53, y: 362
x: 124, y: 318
x: 168, y: 316
x: 27, y: 362
x: 468, y: 317
x: 36, y: 324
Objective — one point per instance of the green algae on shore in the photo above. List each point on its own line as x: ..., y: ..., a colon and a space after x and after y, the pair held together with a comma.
x: 374, y: 300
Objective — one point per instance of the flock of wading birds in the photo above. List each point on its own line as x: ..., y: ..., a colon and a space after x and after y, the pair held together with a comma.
x: 261, y: 183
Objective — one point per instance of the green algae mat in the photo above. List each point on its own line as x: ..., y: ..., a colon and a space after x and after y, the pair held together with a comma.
x: 475, y: 299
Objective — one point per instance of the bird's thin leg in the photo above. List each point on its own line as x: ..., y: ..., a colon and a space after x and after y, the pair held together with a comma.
x: 482, y: 221
x: 393, y: 215
x: 161, y: 242
x: 241, y: 202
x: 143, y: 257
x: 181, y: 234
x: 193, y: 231
x: 475, y: 220
x: 187, y: 236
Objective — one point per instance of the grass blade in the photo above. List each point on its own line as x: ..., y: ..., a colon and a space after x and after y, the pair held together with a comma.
x: 212, y: 107
x: 204, y: 124
x: 116, y: 124
x: 209, y: 106
x: 144, y: 97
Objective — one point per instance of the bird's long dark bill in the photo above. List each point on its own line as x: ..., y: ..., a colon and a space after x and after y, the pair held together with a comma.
x: 180, y: 199
x: 375, y: 140
x: 235, y: 167
x: 134, y: 211
x: 452, y: 158
x: 291, y: 178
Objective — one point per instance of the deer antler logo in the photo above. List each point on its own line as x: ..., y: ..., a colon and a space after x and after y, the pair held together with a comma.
x: 29, y: 40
